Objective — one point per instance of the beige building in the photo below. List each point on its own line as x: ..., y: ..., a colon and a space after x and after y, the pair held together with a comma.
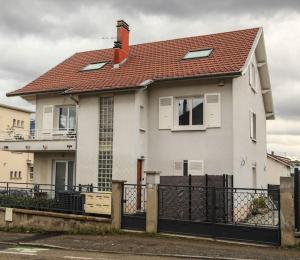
x: 15, y: 166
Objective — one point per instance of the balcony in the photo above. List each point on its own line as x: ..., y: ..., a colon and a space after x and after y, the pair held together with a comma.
x: 38, y: 140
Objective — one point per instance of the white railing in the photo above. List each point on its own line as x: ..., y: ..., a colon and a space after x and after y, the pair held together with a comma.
x: 37, y: 134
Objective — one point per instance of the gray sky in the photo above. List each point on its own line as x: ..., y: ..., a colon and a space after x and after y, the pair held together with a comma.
x: 35, y: 35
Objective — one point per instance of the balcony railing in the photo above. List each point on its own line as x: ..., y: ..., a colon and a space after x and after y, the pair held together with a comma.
x: 37, y: 134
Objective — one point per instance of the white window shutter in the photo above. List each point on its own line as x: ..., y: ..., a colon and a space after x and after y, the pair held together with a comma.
x: 195, y: 167
x: 178, y: 167
x: 212, y: 110
x: 165, y: 113
x: 47, y: 118
x: 252, y: 125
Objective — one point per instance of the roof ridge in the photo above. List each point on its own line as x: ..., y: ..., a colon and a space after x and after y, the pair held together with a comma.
x: 176, y: 39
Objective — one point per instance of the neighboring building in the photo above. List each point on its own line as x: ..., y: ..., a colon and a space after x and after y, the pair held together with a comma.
x: 277, y: 166
x: 15, y: 166
x: 186, y: 106
x: 295, y: 164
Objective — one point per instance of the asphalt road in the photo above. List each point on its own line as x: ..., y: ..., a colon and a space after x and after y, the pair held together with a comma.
x: 55, y: 245
x: 21, y: 252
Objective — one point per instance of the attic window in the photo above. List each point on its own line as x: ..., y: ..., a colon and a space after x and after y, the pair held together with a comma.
x: 93, y: 66
x: 198, y: 54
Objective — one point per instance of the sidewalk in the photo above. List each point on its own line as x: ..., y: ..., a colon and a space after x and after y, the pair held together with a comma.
x: 137, y: 243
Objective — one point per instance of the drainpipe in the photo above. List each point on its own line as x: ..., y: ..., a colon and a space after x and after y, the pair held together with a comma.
x: 76, y: 101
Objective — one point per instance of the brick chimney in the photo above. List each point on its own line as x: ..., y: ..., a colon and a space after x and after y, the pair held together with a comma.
x: 121, y: 47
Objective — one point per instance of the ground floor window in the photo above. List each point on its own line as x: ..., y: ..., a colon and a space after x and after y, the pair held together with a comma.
x: 105, y: 143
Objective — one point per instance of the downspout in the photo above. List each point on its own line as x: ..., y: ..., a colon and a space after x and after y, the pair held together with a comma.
x: 76, y: 101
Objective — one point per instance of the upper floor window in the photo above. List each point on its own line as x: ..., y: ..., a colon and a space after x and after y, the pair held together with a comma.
x: 252, y: 77
x: 14, y: 122
x: 67, y: 117
x: 204, y: 53
x: 22, y: 124
x: 93, y: 66
x: 189, y: 111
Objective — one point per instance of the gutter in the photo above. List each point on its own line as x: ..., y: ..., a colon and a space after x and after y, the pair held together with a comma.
x: 146, y: 83
x: 13, y: 94
x: 149, y: 82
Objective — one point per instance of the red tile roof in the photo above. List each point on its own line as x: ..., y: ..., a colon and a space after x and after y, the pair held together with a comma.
x: 155, y: 61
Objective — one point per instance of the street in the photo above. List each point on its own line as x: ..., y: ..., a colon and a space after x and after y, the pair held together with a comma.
x: 22, y: 252
x: 129, y: 245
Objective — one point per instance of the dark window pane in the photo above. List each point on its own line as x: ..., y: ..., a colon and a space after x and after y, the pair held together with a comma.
x: 184, y: 112
x: 63, y: 115
x: 197, y: 111
x: 70, y: 174
x: 72, y: 117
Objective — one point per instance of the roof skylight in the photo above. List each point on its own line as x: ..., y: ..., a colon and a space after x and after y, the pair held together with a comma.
x: 93, y: 66
x: 198, y: 54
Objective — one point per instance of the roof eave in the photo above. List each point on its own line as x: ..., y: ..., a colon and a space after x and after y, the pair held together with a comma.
x: 30, y: 93
x: 258, y: 49
x: 151, y: 81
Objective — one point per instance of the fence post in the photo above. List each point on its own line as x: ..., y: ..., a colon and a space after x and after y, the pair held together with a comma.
x: 152, y: 180
x: 117, y: 203
x: 287, y: 211
x: 296, y: 199
x: 190, y: 197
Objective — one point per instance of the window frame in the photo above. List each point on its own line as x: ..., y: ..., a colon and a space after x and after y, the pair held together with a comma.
x: 199, y: 50
x: 253, y: 126
x: 68, y: 118
x: 176, y: 126
x: 85, y: 68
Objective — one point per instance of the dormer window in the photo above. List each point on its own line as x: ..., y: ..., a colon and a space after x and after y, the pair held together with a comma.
x: 93, y: 66
x: 204, y: 53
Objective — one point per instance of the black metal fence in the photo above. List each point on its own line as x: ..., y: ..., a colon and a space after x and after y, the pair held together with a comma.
x: 134, y: 207
x: 44, y: 197
x: 220, y: 205
x: 242, y: 214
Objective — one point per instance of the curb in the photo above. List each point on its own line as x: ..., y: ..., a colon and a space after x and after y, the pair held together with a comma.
x: 44, y: 246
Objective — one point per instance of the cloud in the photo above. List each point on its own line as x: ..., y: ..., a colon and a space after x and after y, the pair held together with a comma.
x: 195, y: 8
x: 38, y: 34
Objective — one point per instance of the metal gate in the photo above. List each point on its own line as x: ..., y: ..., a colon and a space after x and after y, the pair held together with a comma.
x: 250, y: 215
x: 134, y: 207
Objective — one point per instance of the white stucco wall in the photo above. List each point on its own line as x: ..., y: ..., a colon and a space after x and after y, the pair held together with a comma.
x: 247, y: 153
x: 275, y: 170
x: 87, y: 140
x: 43, y: 165
x: 124, y: 138
x: 214, y: 146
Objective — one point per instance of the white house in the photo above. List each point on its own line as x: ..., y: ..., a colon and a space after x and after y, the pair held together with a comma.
x: 277, y: 166
x: 194, y: 105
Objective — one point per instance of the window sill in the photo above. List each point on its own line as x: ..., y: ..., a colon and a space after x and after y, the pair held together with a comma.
x: 142, y: 130
x: 188, y: 128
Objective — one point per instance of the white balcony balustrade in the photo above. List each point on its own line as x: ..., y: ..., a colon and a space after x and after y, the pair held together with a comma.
x: 36, y: 140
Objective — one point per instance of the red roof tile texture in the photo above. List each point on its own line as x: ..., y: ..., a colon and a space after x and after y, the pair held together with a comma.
x: 149, y: 61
